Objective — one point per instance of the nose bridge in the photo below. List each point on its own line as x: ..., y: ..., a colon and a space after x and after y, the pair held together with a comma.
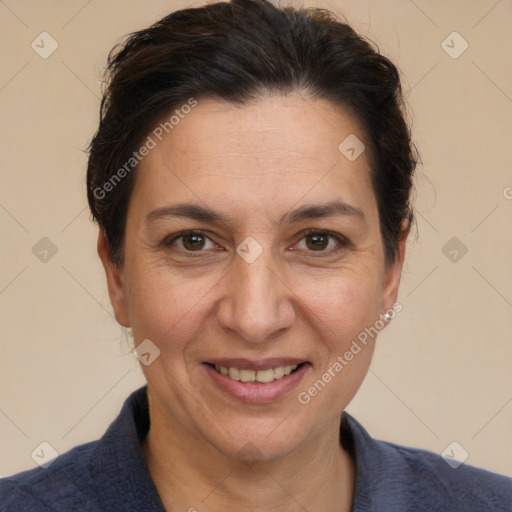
x: 256, y: 304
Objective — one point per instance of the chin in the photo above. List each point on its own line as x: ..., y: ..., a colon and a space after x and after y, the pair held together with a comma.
x: 264, y: 438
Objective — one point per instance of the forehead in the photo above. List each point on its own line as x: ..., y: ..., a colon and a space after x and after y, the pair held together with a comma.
x: 268, y: 128
x: 257, y: 152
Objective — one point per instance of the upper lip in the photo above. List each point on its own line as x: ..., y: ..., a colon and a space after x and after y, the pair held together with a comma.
x: 260, y: 364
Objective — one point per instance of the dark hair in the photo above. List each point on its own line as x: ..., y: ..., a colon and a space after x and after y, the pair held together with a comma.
x: 240, y: 51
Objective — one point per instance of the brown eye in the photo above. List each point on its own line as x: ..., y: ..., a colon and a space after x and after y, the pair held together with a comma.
x: 189, y: 241
x: 317, y: 242
x: 323, y: 242
x: 193, y: 242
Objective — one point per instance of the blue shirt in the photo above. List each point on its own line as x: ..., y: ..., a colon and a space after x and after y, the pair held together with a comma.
x: 111, y: 474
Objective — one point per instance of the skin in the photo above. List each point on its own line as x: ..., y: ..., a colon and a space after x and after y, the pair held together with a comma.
x: 252, y: 164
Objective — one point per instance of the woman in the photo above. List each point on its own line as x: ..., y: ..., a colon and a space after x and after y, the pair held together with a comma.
x: 251, y: 178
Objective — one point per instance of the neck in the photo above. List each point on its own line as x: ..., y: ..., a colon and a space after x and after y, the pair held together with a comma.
x: 190, y: 474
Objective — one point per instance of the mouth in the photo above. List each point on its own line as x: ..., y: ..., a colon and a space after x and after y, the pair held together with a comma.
x: 263, y: 376
x: 256, y: 382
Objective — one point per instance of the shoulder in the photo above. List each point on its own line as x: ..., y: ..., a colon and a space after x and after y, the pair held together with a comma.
x: 400, y: 478
x: 465, y: 486
x: 59, y: 486
x: 107, y: 474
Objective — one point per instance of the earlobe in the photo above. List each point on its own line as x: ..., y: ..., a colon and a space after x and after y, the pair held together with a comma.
x: 115, y: 281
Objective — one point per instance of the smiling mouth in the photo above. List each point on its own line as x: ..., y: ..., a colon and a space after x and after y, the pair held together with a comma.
x: 263, y: 376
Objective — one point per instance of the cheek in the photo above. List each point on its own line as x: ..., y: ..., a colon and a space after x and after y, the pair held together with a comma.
x: 349, y: 311
x: 345, y: 304
x: 163, y: 298
x: 165, y: 305
x: 345, y: 310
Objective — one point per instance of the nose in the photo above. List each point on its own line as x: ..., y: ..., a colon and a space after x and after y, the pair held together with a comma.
x: 256, y: 304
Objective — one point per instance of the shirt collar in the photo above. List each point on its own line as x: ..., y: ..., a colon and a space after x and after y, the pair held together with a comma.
x: 119, y: 454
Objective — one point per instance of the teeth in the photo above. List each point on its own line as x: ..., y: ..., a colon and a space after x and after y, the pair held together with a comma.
x: 247, y: 375
x: 265, y: 375
x: 234, y: 373
x: 262, y: 376
x: 279, y: 372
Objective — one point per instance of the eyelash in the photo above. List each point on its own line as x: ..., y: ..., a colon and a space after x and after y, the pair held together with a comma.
x: 342, y: 241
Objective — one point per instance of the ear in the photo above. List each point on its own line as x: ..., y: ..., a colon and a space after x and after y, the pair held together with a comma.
x: 115, y: 281
x: 393, y: 272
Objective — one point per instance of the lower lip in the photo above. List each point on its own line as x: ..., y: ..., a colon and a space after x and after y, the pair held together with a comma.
x: 257, y: 392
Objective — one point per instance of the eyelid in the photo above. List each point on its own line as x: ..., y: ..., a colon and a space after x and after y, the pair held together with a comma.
x: 169, y: 240
x: 343, y: 242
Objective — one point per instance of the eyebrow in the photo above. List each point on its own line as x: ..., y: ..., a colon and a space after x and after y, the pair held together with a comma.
x: 306, y: 212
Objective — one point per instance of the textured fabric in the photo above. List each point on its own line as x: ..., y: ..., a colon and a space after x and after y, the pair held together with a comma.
x: 110, y: 475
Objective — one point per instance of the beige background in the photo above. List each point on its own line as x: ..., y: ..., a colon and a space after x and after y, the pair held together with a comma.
x: 442, y: 370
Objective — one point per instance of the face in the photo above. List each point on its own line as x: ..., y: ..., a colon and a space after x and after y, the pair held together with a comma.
x: 253, y: 248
